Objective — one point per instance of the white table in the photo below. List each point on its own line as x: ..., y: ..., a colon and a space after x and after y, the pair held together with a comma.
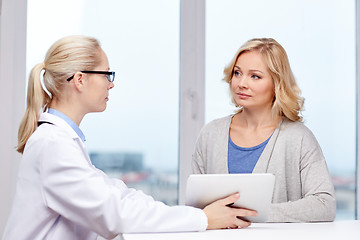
x: 340, y: 230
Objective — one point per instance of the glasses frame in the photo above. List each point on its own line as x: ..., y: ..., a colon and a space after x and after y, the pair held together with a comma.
x: 110, y: 75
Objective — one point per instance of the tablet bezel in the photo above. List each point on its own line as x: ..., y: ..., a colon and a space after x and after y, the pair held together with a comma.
x: 256, y: 191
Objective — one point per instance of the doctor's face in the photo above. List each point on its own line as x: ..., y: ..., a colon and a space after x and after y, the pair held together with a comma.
x: 98, y: 86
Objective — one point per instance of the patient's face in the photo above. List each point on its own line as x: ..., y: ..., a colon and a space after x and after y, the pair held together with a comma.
x: 251, y: 84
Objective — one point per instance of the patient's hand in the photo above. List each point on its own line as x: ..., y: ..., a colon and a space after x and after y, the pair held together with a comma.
x: 221, y: 215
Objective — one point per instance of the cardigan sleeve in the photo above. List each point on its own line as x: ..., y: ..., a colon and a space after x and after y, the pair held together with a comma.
x: 197, y: 163
x: 317, y: 201
x: 210, y: 154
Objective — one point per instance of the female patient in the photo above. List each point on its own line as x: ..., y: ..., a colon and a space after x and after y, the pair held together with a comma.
x: 266, y: 135
x: 60, y: 194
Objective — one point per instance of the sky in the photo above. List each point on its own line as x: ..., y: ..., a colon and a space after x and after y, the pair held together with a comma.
x: 141, y: 39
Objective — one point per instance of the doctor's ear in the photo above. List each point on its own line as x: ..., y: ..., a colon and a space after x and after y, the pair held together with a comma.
x: 79, y: 80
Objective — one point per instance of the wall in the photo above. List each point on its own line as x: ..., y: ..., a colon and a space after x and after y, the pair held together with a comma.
x: 12, y: 97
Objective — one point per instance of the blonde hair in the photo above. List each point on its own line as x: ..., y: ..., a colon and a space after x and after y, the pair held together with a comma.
x: 288, y: 101
x: 64, y: 58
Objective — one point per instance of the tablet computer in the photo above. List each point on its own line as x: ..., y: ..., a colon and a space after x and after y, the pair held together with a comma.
x: 255, y: 191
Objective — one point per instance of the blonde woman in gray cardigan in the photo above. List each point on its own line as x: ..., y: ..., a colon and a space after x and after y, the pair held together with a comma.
x: 267, y: 135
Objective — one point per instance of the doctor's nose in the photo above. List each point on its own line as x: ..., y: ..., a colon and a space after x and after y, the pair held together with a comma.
x: 111, y: 85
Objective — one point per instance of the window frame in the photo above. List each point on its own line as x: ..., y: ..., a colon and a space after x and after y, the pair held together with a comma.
x: 192, y: 84
x: 357, y: 177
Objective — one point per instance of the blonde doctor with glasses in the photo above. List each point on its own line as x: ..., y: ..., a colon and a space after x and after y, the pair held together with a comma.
x: 60, y: 194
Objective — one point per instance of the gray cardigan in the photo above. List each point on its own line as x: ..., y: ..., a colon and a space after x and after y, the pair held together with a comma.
x: 303, y: 189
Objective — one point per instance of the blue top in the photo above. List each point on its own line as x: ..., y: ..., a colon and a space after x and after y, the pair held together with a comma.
x: 69, y: 121
x: 243, y: 160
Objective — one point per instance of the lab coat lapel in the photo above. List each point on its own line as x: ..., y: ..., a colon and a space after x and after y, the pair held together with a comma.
x: 47, y: 117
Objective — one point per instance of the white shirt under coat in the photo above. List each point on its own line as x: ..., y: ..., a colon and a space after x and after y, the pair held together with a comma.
x: 61, y: 195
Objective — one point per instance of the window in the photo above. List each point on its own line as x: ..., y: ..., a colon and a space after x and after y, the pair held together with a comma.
x: 319, y: 37
x: 143, y: 49
x: 136, y: 138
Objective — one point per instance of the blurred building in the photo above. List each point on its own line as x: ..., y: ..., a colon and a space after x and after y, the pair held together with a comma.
x: 119, y: 162
x: 130, y: 168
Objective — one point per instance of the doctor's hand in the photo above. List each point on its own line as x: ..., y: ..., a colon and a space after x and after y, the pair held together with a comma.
x: 220, y: 215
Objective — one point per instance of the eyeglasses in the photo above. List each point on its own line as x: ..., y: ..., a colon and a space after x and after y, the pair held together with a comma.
x: 110, y: 75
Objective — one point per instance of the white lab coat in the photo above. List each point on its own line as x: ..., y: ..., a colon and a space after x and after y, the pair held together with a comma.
x: 61, y: 195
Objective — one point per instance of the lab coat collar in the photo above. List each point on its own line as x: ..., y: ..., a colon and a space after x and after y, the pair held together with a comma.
x: 57, y: 121
x: 69, y: 121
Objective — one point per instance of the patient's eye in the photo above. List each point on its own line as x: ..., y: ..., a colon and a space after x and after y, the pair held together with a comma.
x: 237, y: 73
x: 255, y: 76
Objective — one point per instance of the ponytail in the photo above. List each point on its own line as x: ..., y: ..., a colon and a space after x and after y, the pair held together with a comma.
x: 36, y: 100
x: 65, y: 57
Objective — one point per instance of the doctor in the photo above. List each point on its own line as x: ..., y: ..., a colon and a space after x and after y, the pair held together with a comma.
x: 60, y: 194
